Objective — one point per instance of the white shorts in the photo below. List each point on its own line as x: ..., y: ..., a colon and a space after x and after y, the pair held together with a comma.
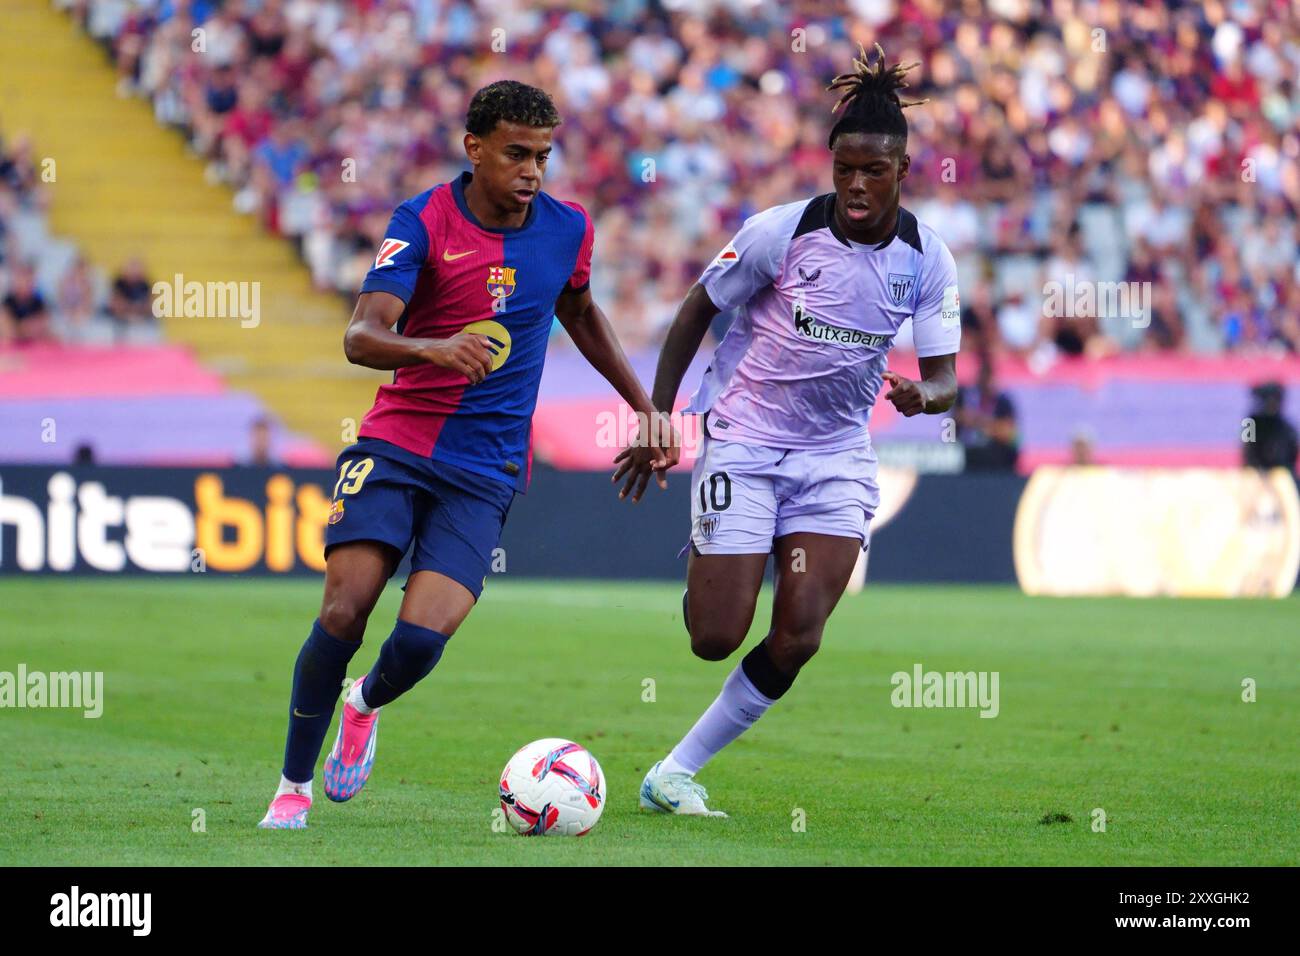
x: 745, y: 496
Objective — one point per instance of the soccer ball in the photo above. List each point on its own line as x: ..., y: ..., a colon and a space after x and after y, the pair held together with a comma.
x: 552, y: 787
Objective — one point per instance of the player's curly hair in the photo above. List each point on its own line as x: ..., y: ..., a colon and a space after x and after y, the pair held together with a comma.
x: 870, y: 102
x: 510, y: 101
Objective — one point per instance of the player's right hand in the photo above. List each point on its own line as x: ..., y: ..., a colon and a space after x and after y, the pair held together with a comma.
x: 657, y: 447
x: 465, y: 352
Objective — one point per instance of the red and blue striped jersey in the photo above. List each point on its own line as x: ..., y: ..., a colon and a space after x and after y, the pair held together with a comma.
x: 455, y: 275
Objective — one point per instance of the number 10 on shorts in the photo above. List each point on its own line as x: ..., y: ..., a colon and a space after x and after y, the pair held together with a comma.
x: 715, y: 490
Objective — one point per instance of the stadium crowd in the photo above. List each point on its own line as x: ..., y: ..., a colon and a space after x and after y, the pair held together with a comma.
x: 49, y: 291
x: 1063, y: 141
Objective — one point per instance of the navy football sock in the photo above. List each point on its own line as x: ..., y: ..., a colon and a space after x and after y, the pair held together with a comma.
x: 317, y: 679
x: 406, y: 657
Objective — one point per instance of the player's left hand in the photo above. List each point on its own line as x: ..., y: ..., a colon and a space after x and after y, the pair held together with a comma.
x: 908, y: 396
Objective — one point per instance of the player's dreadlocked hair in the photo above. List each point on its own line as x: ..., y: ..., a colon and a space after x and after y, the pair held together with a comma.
x: 870, y: 101
x: 509, y: 101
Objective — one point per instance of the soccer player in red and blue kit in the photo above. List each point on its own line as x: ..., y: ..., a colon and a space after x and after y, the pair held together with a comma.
x: 460, y: 303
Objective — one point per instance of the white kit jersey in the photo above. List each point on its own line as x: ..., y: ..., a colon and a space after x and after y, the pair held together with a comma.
x: 816, y: 316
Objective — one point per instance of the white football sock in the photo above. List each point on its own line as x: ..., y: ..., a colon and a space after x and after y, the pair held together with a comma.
x: 358, y: 701
x: 288, y: 786
x: 729, y: 716
x: 670, y: 765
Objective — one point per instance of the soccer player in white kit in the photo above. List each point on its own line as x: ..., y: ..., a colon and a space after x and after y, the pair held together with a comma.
x: 820, y: 288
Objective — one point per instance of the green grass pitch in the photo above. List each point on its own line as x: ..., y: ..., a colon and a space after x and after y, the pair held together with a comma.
x: 1133, y: 707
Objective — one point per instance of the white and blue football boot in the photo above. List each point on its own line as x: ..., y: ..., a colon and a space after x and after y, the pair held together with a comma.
x: 674, y: 793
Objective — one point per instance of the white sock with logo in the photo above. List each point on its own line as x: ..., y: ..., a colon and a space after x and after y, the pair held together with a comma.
x: 729, y: 716
x: 358, y: 701
x: 288, y: 786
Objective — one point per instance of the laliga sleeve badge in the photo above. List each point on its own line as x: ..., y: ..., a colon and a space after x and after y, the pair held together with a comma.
x: 950, y: 316
x: 387, y: 250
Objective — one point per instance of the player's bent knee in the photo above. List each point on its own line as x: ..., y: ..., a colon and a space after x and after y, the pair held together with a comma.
x: 792, y: 648
x: 344, y: 618
x: 714, y: 645
x: 443, y: 620
x: 436, y: 602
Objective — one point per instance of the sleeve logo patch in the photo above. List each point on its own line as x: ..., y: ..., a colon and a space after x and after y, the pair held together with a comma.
x: 951, y: 315
x: 727, y: 256
x: 387, y: 249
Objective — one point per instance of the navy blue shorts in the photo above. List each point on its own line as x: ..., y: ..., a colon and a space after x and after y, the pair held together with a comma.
x: 388, y: 494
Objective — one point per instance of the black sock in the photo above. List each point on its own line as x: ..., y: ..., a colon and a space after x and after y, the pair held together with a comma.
x: 763, y: 674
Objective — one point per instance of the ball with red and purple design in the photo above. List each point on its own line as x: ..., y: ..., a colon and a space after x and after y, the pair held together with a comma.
x: 552, y: 787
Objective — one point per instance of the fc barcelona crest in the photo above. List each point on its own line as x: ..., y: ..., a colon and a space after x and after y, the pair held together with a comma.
x: 501, y: 281
x: 900, y: 287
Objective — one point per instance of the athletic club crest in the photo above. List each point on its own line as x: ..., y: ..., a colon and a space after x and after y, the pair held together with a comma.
x: 900, y: 287
x: 708, y: 525
x: 501, y: 281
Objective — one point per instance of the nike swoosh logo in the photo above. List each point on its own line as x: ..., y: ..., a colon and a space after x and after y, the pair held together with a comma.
x: 299, y: 713
x: 448, y: 257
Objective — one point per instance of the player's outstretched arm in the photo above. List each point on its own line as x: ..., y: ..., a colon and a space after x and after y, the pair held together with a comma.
x: 371, y: 341
x: 683, y: 341
x: 591, y: 332
x: 697, y: 310
x: 934, y: 393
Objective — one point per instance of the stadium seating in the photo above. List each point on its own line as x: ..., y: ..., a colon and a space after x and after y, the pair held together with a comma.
x: 162, y: 185
x: 126, y: 185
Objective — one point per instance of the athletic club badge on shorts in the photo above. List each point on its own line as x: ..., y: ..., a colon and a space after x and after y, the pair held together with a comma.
x: 708, y: 525
x: 336, y: 512
x: 900, y: 286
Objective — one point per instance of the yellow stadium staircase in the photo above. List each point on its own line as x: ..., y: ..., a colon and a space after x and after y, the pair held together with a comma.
x: 125, y: 185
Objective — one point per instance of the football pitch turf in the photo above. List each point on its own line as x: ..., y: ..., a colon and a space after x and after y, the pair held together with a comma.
x: 1127, y: 707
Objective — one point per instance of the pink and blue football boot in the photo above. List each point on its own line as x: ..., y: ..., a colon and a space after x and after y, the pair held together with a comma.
x: 347, y: 768
x: 288, y: 811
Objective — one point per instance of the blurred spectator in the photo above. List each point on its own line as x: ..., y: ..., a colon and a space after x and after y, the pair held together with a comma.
x: 18, y: 168
x: 1075, y: 330
x: 1019, y: 322
x: 260, y: 441
x: 80, y: 318
x: 979, y: 324
x: 986, y: 423
x: 1082, y: 445
x: 1166, y: 327
x: 1275, y: 443
x: 26, y: 317
x: 130, y: 303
